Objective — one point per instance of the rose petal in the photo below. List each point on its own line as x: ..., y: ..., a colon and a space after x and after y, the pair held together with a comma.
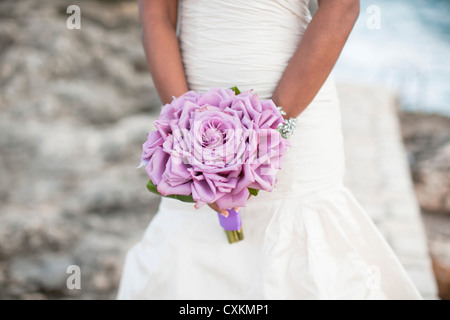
x: 230, y: 200
x: 157, y: 165
x: 154, y: 139
x: 203, y: 190
x: 167, y: 189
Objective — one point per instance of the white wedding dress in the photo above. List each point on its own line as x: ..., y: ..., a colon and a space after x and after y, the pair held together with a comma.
x: 309, y: 238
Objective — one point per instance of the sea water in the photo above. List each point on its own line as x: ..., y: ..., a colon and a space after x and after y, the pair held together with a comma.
x: 405, y: 45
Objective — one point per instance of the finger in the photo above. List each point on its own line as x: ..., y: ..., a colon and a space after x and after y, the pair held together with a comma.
x: 236, y: 209
x: 215, y: 207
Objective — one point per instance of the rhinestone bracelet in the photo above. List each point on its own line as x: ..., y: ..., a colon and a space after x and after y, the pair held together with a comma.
x: 287, y: 127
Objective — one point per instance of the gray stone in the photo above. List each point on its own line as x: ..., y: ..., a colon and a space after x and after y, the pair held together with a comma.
x: 46, y: 272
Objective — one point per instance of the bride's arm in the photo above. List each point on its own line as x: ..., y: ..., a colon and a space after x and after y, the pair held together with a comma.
x: 315, y: 55
x: 159, y: 20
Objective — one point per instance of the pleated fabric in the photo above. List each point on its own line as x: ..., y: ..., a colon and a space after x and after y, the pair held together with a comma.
x: 309, y: 238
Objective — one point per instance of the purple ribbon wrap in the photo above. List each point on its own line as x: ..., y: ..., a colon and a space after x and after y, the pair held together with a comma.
x: 231, y: 223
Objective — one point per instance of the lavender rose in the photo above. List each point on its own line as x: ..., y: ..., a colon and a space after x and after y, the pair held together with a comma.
x: 214, y: 146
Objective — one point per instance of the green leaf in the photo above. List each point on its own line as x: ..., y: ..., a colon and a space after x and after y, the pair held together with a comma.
x: 152, y: 188
x: 182, y: 198
x: 236, y: 90
x: 253, y: 192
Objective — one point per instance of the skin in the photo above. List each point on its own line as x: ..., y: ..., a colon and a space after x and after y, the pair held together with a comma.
x: 306, y: 72
x: 316, y: 55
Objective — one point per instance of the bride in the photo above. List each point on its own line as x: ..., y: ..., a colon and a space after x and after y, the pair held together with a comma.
x: 309, y: 238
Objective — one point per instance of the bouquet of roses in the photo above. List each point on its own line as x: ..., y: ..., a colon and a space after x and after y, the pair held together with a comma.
x: 217, y: 147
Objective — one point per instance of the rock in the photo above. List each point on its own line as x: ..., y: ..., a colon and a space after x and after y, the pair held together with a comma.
x: 427, y: 139
x: 75, y: 108
x: 440, y: 249
x: 111, y: 191
x: 97, y: 254
x: 45, y: 273
x: 30, y: 230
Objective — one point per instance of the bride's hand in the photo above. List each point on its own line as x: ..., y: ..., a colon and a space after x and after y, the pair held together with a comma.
x: 223, y: 212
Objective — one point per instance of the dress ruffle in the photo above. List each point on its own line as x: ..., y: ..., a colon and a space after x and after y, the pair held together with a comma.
x: 318, y: 246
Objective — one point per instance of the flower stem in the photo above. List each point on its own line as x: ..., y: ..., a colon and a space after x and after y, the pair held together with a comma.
x: 235, y: 236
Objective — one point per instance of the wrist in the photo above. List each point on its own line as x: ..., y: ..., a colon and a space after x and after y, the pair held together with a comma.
x: 287, y: 111
x: 287, y: 127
